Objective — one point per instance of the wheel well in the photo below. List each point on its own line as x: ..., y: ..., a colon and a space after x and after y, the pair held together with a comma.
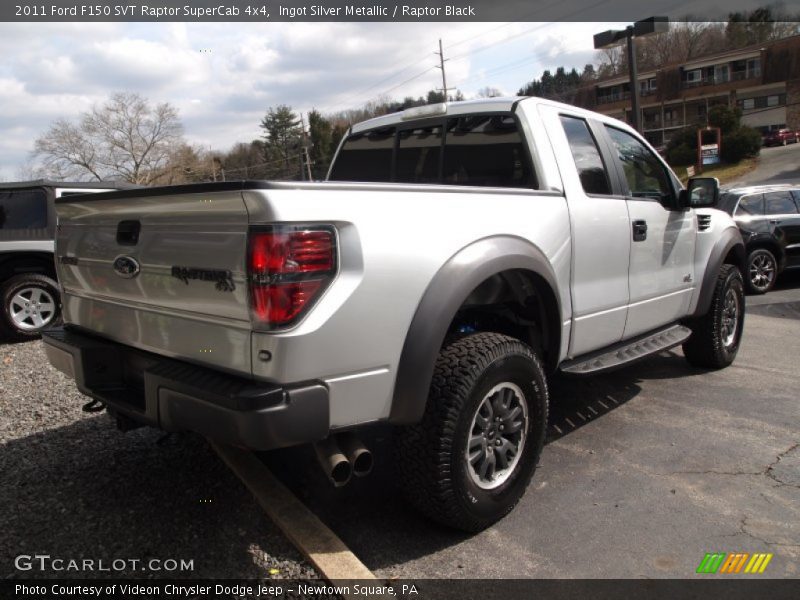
x: 17, y: 263
x: 518, y: 303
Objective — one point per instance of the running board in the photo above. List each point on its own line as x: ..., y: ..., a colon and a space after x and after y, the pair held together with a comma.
x: 625, y: 353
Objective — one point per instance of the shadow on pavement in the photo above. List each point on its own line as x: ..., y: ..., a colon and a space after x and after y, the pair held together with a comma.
x: 370, y: 515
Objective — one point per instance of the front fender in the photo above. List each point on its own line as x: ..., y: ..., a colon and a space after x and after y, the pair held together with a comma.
x: 730, y: 244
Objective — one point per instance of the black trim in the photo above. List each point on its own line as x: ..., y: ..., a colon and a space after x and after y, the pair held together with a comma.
x: 175, y: 396
x: 445, y: 294
x: 729, y: 240
x: 168, y: 190
x: 49, y: 183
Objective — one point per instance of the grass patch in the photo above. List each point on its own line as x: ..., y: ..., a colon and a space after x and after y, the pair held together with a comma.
x: 724, y: 173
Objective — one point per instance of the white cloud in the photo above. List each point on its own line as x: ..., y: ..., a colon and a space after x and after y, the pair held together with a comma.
x: 224, y: 76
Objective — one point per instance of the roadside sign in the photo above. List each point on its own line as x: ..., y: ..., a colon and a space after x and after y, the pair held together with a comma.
x: 690, y: 171
x: 709, y: 154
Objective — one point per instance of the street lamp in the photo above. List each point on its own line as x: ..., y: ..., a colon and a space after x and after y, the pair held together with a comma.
x: 613, y: 37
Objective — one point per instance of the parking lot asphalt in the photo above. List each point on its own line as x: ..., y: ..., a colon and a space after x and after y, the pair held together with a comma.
x: 645, y: 470
x: 779, y: 164
x: 73, y: 487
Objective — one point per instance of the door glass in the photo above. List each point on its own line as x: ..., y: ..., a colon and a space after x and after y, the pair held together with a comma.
x: 751, y: 205
x: 780, y: 203
x: 591, y: 170
x: 646, y: 176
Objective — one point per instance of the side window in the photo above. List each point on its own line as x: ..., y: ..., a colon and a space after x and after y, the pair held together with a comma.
x: 780, y: 203
x: 750, y: 206
x: 366, y: 157
x: 645, y: 174
x: 418, y: 155
x: 486, y: 150
x: 796, y: 194
x: 591, y: 170
x: 23, y: 209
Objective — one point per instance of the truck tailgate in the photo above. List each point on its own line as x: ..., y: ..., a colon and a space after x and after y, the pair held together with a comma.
x: 164, y: 273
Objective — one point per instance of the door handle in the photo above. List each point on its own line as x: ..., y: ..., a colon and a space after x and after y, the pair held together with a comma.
x: 639, y: 231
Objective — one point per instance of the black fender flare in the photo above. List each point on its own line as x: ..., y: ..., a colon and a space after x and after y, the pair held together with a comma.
x: 445, y: 294
x: 729, y: 240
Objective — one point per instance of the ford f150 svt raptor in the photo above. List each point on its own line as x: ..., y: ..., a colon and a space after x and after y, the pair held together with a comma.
x: 457, y: 255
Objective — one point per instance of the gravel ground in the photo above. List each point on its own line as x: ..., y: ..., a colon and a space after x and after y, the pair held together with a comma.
x: 74, y: 487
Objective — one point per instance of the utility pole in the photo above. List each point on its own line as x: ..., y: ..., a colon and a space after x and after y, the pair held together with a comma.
x: 634, y: 78
x: 613, y: 37
x: 306, y: 144
x: 442, y: 60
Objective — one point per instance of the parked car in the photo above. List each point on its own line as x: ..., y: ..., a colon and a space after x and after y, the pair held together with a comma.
x: 457, y: 256
x: 769, y: 218
x: 28, y: 288
x: 781, y: 137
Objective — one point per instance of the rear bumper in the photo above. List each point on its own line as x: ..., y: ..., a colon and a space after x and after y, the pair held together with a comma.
x: 178, y: 396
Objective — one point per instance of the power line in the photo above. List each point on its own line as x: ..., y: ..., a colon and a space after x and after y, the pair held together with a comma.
x: 463, y: 55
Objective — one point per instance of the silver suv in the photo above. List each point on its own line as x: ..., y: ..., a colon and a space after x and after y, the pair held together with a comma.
x: 457, y: 256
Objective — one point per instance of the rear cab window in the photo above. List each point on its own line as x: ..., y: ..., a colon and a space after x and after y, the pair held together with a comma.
x: 366, y: 157
x: 486, y: 150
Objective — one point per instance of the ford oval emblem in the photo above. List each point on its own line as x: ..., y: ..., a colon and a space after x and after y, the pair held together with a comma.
x: 126, y: 267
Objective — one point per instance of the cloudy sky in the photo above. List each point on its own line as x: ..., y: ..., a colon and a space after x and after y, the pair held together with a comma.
x: 223, y: 77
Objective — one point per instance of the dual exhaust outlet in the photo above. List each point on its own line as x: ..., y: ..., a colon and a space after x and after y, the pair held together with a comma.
x: 342, y: 456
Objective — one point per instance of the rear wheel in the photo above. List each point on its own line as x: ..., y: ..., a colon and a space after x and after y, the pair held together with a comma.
x: 30, y: 305
x: 716, y: 336
x: 470, y: 459
x: 762, y: 270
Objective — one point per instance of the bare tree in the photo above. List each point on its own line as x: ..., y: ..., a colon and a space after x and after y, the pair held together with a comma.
x: 126, y: 139
x: 489, y: 92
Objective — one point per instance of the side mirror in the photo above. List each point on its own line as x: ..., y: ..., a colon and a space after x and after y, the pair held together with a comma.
x: 700, y: 192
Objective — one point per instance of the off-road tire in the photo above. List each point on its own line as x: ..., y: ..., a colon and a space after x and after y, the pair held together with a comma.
x: 706, y: 346
x: 10, y: 330
x: 431, y: 456
x: 760, y: 254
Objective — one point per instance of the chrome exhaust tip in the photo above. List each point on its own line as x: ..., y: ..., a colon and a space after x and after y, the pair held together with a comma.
x: 333, y: 461
x: 360, y: 456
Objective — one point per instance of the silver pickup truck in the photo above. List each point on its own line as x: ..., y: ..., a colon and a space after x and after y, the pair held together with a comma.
x: 457, y: 256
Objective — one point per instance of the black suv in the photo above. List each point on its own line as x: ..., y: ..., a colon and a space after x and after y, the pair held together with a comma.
x: 29, y: 296
x: 769, y: 218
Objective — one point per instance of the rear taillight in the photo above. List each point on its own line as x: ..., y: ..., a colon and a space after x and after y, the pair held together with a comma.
x: 289, y: 267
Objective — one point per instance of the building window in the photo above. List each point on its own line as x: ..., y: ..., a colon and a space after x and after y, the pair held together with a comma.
x: 748, y: 103
x: 721, y: 74
x: 773, y: 100
x: 694, y: 76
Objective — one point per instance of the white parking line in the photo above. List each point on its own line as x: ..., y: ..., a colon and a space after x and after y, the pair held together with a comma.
x: 312, y: 537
